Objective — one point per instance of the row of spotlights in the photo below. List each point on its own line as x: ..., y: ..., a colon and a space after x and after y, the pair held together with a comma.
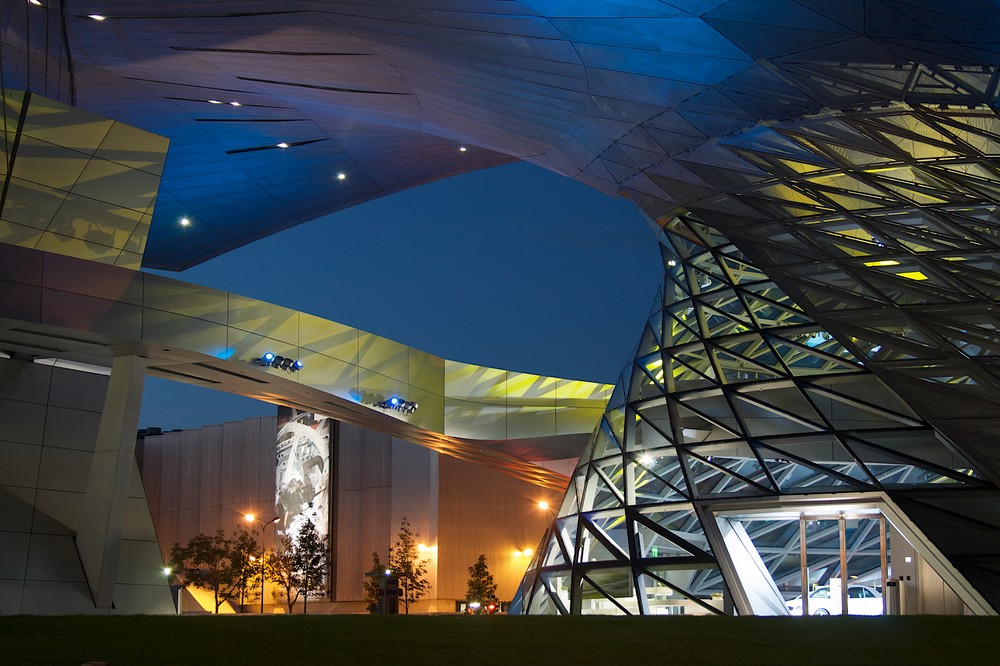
x: 398, y: 404
x: 285, y: 363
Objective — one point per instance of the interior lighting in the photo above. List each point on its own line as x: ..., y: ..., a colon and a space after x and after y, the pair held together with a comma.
x: 646, y: 460
x: 543, y: 505
x: 214, y: 101
x: 282, y: 145
x: 235, y: 104
x: 462, y: 149
x: 528, y: 551
x: 96, y: 17
x: 341, y: 176
x: 185, y: 222
x: 671, y: 262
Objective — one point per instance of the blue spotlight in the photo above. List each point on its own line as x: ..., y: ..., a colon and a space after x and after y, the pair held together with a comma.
x: 298, y: 365
x: 268, y: 357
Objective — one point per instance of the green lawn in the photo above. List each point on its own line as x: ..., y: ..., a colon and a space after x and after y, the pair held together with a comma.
x: 446, y: 640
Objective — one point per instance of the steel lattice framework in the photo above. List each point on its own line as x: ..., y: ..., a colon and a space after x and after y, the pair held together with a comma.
x: 734, y: 392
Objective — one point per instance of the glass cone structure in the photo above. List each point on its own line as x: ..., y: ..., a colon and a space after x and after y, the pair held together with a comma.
x: 737, y: 397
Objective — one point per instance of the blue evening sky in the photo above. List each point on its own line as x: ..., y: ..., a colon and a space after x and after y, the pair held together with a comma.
x: 512, y: 267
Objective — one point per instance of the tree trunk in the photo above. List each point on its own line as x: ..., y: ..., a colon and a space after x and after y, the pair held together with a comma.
x: 305, y: 601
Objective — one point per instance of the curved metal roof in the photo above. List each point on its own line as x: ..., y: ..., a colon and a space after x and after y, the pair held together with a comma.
x: 388, y: 93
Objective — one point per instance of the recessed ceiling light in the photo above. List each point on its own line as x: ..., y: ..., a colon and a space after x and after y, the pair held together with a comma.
x: 36, y: 3
x: 185, y: 222
x: 96, y: 17
x: 462, y: 149
x: 282, y: 145
x: 235, y: 104
x: 214, y: 101
x: 341, y: 176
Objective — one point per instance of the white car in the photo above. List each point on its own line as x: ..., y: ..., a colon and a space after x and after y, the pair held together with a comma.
x: 861, y: 600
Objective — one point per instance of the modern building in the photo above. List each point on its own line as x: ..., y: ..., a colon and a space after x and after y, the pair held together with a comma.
x: 811, y: 402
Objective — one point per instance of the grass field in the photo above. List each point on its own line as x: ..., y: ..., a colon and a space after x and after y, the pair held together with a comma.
x: 376, y: 640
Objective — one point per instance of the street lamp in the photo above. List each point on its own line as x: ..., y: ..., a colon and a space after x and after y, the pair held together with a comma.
x: 250, y: 518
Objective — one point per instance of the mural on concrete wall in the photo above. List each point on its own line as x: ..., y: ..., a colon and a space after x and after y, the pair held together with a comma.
x: 302, y: 483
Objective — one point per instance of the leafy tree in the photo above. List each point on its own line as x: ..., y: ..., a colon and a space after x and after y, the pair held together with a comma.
x: 280, y: 569
x: 312, y: 560
x: 410, y: 571
x: 208, y: 562
x: 244, y: 563
x: 372, y: 577
x: 481, y: 587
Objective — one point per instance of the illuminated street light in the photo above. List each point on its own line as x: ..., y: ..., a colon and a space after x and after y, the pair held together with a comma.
x: 251, y: 518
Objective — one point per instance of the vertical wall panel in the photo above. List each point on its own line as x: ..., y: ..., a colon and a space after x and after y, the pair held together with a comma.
x: 46, y: 449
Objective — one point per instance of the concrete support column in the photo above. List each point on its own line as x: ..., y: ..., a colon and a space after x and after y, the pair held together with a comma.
x: 99, y: 537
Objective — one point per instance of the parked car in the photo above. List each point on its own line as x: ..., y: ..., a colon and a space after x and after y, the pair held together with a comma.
x: 861, y: 600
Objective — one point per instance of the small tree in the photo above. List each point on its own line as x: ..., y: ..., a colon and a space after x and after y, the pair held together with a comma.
x: 404, y: 563
x: 481, y: 587
x: 311, y: 559
x: 207, y: 562
x: 280, y: 570
x: 371, y: 583
x: 245, y: 568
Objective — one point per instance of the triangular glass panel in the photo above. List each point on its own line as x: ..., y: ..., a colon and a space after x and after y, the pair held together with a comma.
x: 605, y: 444
x: 673, y: 591
x: 696, y: 358
x: 754, y: 349
x: 812, y: 463
x: 556, y: 597
x: 718, y: 323
x: 613, y: 472
x: 643, y: 385
x: 680, y: 332
x: 658, y: 480
x: 712, y: 479
x: 615, y: 418
x: 740, y: 271
x: 820, y: 343
x: 541, y: 603
x: 648, y: 343
x: 886, y: 449
x: 706, y: 265
x: 802, y: 361
x: 736, y: 369
x: 595, y: 546
x: 682, y: 525
x: 763, y: 420
x: 655, y: 417
x: 553, y: 554
x: 768, y: 314
x: 649, y: 429
x: 607, y: 592
x: 565, y: 531
x: 652, y: 544
x: 600, y: 492
x: 865, y: 392
x: 716, y: 423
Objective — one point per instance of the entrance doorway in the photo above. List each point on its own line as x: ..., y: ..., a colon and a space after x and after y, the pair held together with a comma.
x: 829, y: 558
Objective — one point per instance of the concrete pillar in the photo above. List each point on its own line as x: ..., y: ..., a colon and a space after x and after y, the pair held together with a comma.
x: 99, y: 537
